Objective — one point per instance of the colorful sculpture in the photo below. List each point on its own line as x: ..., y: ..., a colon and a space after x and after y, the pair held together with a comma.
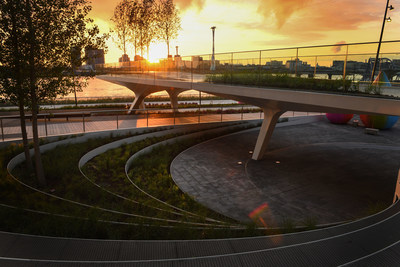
x: 382, y: 80
x: 338, y: 118
x: 381, y: 122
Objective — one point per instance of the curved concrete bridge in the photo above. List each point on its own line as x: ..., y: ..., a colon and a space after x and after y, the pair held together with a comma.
x: 273, y: 101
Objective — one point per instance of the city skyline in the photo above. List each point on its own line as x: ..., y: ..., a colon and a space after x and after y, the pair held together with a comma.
x: 264, y: 24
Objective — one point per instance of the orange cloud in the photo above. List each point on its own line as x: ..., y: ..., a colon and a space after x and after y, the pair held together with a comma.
x: 310, y: 20
x: 186, y: 4
x: 336, y: 49
x: 282, y: 10
x: 103, y: 9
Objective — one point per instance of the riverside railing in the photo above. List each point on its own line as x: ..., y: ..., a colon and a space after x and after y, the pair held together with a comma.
x: 57, y: 124
x: 339, y: 67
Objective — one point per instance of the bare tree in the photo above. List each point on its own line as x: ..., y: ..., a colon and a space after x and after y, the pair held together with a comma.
x: 122, y: 23
x: 168, y: 22
x: 150, y: 33
x: 133, y: 13
x: 145, y: 21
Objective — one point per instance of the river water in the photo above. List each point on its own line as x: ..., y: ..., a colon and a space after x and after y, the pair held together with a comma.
x: 101, y: 89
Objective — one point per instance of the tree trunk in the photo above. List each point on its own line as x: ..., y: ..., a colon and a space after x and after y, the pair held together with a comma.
x: 135, y: 44
x: 28, y: 158
x: 38, y: 159
x: 168, y: 46
x: 34, y: 101
x: 124, y: 45
x: 141, y: 44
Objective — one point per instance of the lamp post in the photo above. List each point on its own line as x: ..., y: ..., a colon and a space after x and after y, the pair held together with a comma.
x: 213, y: 49
x: 380, y: 39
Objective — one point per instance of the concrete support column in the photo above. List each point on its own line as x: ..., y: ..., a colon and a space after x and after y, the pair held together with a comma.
x: 138, y: 103
x: 173, y: 94
x: 271, y: 117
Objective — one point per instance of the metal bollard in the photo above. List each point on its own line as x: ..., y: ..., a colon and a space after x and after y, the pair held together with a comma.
x: 117, y: 122
x: 83, y: 122
x: 199, y: 116
x: 45, y: 125
x: 2, y: 129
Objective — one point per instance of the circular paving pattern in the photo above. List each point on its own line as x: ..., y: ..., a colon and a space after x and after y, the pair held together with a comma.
x: 314, y: 172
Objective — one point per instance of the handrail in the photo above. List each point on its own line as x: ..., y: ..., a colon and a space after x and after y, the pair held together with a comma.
x: 295, y: 47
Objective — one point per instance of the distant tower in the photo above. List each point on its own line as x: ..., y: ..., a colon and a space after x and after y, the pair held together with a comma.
x: 213, y: 49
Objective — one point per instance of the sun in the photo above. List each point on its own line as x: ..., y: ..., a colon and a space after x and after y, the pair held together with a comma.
x: 158, y: 51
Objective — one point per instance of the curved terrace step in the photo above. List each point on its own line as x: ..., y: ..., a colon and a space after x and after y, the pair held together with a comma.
x: 325, y: 247
x: 195, y: 225
x: 199, y: 129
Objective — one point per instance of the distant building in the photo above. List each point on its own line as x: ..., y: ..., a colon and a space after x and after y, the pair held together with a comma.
x: 94, y: 57
x: 138, y: 58
x: 124, y: 58
x: 291, y: 65
x: 353, y: 66
x: 196, y: 62
x: 274, y: 64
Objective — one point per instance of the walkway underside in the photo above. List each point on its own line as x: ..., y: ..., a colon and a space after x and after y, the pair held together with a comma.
x: 143, y: 90
x: 273, y: 101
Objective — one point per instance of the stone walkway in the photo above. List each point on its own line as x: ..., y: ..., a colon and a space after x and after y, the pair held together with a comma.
x: 313, y: 172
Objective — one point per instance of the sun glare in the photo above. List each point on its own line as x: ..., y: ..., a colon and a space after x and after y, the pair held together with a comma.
x: 159, y: 51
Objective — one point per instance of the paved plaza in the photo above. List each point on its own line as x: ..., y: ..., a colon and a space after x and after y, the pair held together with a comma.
x: 314, y: 171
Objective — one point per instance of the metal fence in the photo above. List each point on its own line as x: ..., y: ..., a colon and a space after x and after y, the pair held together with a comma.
x: 58, y: 124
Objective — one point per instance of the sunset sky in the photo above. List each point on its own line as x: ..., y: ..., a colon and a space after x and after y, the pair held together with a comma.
x: 264, y: 24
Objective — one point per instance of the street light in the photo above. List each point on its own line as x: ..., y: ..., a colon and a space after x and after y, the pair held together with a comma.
x: 213, y: 49
x: 380, y: 39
